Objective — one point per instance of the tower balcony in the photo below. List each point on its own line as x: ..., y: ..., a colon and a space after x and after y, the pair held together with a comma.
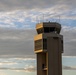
x: 40, y: 41
x: 40, y: 45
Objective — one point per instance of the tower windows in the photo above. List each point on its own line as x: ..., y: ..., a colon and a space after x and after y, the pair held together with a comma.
x: 49, y: 29
x: 41, y: 44
x: 38, y: 44
x: 44, y: 43
x: 46, y: 30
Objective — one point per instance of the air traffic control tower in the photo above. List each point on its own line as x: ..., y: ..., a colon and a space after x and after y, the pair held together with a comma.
x: 49, y: 48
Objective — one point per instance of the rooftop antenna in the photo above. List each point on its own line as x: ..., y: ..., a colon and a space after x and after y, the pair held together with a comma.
x: 48, y: 17
x: 43, y: 18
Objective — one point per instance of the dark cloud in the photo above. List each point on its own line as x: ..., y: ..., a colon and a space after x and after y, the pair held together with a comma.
x: 22, y: 44
x: 68, y: 68
x: 32, y: 69
x: 69, y: 42
x: 31, y: 4
x: 17, y: 42
x: 24, y: 4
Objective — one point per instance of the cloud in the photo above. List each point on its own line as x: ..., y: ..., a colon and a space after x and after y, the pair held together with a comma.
x: 69, y: 34
x: 68, y: 68
x: 29, y: 70
x: 2, y: 73
x: 25, y: 4
x: 17, y: 27
x: 16, y: 42
x: 7, y: 63
x: 18, y: 64
x: 33, y: 4
x: 27, y: 19
x: 69, y: 56
x: 14, y: 19
x: 21, y: 17
x: 20, y: 42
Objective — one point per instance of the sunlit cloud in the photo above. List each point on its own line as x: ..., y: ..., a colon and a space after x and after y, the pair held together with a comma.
x: 18, y: 64
x: 2, y: 73
x: 28, y: 19
x: 29, y: 70
x: 68, y: 28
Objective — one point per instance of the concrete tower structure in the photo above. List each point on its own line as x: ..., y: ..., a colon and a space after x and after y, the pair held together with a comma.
x: 49, y: 48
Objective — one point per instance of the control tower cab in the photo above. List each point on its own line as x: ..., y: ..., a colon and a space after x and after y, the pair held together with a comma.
x: 48, y: 27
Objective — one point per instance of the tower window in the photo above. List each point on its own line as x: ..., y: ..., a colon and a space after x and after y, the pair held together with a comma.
x: 52, y: 29
x: 39, y: 30
x: 49, y: 29
x: 62, y: 45
x: 41, y: 44
x: 46, y: 29
x: 38, y: 44
x: 44, y: 43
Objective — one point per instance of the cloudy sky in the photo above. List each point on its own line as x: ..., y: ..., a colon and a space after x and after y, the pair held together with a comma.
x: 19, y: 17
